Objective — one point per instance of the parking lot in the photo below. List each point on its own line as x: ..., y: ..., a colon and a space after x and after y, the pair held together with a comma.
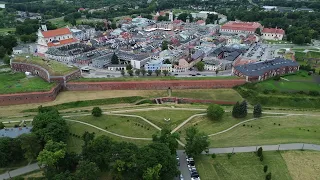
x: 183, y: 167
x: 260, y: 52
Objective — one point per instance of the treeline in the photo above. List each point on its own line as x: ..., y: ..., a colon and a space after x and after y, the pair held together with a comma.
x: 300, y: 27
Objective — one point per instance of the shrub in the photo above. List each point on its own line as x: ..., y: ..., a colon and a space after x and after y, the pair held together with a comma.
x: 215, y: 112
x: 1, y: 125
x: 265, y: 168
x: 314, y: 93
x: 213, y: 156
x: 259, y: 152
x: 268, y: 176
x: 243, y: 125
x: 96, y: 112
x: 257, y: 111
x: 276, y: 78
x: 261, y: 157
x: 229, y: 155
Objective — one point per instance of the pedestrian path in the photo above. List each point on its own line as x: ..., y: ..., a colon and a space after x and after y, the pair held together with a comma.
x: 19, y: 171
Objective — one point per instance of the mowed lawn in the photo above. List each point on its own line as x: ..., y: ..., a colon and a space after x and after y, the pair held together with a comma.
x: 242, y: 166
x: 74, y: 144
x: 209, y: 126
x: 19, y: 83
x: 271, y: 130
x: 300, y: 84
x: 159, y: 117
x: 209, y: 94
x: 127, y: 126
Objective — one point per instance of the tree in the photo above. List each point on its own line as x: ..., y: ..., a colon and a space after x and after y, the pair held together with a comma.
x: 30, y: 145
x: 236, y: 110
x: 129, y: 67
x: 130, y: 72
x: 167, y: 61
x: 240, y: 110
x: 299, y: 39
x: 6, y: 59
x: 1, y: 125
x: 87, y: 137
x: 215, y: 112
x: 3, y: 51
x: 258, y: 31
x: 114, y: 59
x: 49, y: 125
x: 87, y: 170
x: 167, y: 138
x: 268, y: 176
x: 165, y: 72
x: 143, y: 72
x: 265, y: 168
x: 244, y: 109
x: 261, y: 157
x: 164, y: 45
x: 152, y: 173
x: 257, y: 111
x: 52, y: 152
x: 118, y: 169
x: 200, y: 66
x: 259, y: 152
x: 153, y: 154
x: 157, y: 72
x: 196, y: 141
x: 137, y: 72
x: 149, y: 72
x: 96, y: 112
x: 10, y: 151
x: 123, y: 72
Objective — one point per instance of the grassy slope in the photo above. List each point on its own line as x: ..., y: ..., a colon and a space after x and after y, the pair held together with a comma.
x: 18, y: 83
x: 120, y: 125
x: 211, y: 94
x: 287, y: 132
x: 242, y: 166
x: 157, y: 117
x: 75, y: 144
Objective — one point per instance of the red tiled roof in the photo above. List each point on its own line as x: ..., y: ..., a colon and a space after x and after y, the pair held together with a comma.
x: 82, y: 9
x: 162, y: 13
x: 62, y: 42
x: 56, y: 32
x: 273, y: 30
x: 177, y: 21
x: 200, y: 21
x: 242, y: 26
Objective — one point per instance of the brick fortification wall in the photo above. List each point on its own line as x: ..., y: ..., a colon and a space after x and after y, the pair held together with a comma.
x: 32, y: 68
x: 147, y: 85
x: 32, y: 97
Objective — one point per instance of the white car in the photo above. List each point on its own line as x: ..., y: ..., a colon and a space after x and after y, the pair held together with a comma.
x: 194, y: 178
x: 191, y: 168
x: 181, y: 177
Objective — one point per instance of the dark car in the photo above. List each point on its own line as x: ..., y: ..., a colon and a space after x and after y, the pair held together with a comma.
x: 198, y: 74
x: 194, y: 174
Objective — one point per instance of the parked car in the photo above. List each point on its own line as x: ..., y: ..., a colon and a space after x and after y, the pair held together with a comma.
x: 181, y: 177
x: 198, y: 74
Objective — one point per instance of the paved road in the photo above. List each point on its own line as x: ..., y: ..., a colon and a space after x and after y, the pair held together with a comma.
x: 20, y: 171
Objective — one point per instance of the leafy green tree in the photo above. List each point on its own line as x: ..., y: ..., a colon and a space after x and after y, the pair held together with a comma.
x: 167, y: 138
x: 1, y: 125
x: 240, y: 110
x: 200, y: 66
x: 164, y: 45
x: 157, y: 153
x: 197, y: 141
x: 158, y: 72
x: 87, y: 170
x: 118, y: 169
x: 52, y: 153
x: 165, y: 72
x: 129, y: 67
x: 259, y: 152
x: 96, y: 112
x: 123, y: 72
x: 244, y: 109
x: 236, y: 110
x: 87, y: 137
x: 10, y: 151
x: 3, y: 51
x: 215, y: 112
x: 30, y: 145
x: 6, y: 59
x: 130, y: 72
x: 257, y: 111
x: 69, y: 162
x: 137, y: 72
x: 258, y: 31
x: 167, y: 61
x: 149, y: 72
x: 152, y: 173
x: 265, y: 168
x: 143, y: 72
x: 114, y: 59
x: 49, y: 125
x: 99, y: 151
x: 299, y: 39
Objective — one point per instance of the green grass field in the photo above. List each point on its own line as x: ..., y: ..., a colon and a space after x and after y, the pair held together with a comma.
x: 59, y: 22
x: 242, y: 166
x: 55, y: 68
x: 19, y: 83
x: 74, y: 144
x: 209, y: 94
x: 4, y: 31
x: 153, y: 78
x: 292, y: 129
x: 127, y: 126
x: 157, y: 117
